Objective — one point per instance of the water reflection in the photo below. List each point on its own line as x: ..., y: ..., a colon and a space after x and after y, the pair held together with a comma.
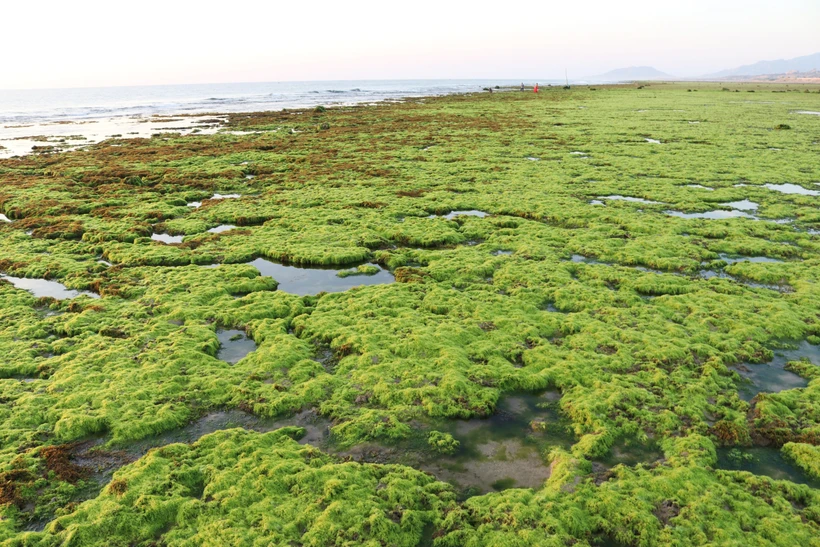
x: 581, y: 259
x: 720, y: 274
x: 792, y: 189
x: 743, y: 205
x: 630, y: 199
x: 712, y: 215
x: 316, y: 429
x: 234, y: 345
x: 765, y: 461
x: 773, y: 377
x: 453, y: 214
x: 505, y: 450
x: 167, y: 239
x: 757, y: 259
x: 304, y: 281
x: 44, y: 287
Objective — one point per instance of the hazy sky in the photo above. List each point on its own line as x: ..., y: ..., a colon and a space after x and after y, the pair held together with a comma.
x: 82, y: 43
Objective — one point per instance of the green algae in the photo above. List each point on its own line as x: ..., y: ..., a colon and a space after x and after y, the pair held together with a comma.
x: 442, y: 442
x: 364, y: 269
x: 806, y: 456
x: 643, y: 349
x: 239, y: 487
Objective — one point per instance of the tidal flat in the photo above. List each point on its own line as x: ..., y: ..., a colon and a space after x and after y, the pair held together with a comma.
x: 410, y: 332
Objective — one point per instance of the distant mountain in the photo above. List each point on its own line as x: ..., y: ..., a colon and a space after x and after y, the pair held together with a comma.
x: 810, y: 77
x: 631, y: 74
x: 782, y: 66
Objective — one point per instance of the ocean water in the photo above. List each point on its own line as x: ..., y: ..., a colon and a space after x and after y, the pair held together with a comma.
x: 27, y: 106
x: 71, y: 118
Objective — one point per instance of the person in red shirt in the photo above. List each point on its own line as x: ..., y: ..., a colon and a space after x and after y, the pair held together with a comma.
x: 536, y: 88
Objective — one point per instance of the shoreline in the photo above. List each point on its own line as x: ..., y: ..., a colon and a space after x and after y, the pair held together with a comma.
x: 26, y: 137
x: 71, y: 134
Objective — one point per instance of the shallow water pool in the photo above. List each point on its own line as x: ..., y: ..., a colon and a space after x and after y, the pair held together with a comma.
x: 742, y: 205
x: 712, y: 215
x: 167, y: 239
x: 757, y: 259
x: 504, y: 450
x: 765, y: 461
x: 773, y: 377
x: 234, y: 345
x: 453, y: 214
x: 792, y: 189
x: 630, y: 199
x: 44, y: 287
x: 313, y: 280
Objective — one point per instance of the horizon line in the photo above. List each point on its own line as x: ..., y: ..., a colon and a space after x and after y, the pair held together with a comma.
x: 277, y: 82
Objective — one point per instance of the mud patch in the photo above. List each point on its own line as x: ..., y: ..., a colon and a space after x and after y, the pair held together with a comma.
x: 631, y: 452
x: 505, y: 450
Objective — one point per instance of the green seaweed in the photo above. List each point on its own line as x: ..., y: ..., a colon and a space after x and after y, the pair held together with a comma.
x: 442, y: 442
x: 640, y: 320
x: 806, y: 456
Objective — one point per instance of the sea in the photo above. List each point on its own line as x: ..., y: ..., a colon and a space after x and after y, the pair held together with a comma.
x: 64, y: 119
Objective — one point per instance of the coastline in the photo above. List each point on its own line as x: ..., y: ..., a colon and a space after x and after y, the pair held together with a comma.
x: 61, y: 134
x: 143, y: 111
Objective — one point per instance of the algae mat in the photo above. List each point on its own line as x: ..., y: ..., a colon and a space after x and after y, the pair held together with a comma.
x: 628, y: 249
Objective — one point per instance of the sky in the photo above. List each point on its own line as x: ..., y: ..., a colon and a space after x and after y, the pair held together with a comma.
x: 90, y: 43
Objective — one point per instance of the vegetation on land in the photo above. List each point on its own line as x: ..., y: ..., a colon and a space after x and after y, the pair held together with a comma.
x: 641, y: 321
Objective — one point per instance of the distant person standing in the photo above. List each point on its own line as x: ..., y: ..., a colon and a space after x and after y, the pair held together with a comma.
x: 536, y: 88
x: 522, y: 86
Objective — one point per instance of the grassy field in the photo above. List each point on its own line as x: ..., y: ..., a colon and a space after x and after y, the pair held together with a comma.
x: 627, y: 311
